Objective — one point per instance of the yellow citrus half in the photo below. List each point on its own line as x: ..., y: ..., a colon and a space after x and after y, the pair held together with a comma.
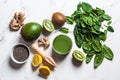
x: 36, y: 60
x: 44, y: 71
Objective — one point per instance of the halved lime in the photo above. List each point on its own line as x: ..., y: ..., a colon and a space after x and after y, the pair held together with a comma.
x: 48, y: 25
x: 31, y: 31
x: 78, y: 55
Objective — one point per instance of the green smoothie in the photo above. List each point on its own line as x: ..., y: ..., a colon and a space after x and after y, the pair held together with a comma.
x: 62, y: 44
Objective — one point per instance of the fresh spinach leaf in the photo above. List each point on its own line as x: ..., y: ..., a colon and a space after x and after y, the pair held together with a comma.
x: 94, y: 31
x: 92, y: 52
x: 76, y: 15
x: 96, y: 45
x: 78, y: 37
x: 97, y: 28
x: 103, y: 35
x: 82, y: 24
x: 108, y: 52
x: 99, y: 23
x: 94, y: 17
x: 106, y: 17
x: 98, y: 11
x: 64, y: 30
x: 86, y: 7
x: 79, y: 7
x: 109, y: 22
x: 98, y: 59
x: 87, y: 20
x: 86, y: 46
x: 101, y: 19
x: 89, y: 58
x: 110, y: 29
x: 69, y: 20
x: 78, y: 40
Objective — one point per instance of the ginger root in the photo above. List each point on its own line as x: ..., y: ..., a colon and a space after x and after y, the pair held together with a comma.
x: 17, y: 21
x: 44, y: 41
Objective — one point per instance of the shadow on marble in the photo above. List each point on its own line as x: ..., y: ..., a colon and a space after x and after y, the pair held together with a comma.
x: 46, y: 33
x: 15, y: 65
x: 58, y: 58
x: 21, y: 40
x: 42, y: 76
x: 34, y: 68
x: 76, y: 63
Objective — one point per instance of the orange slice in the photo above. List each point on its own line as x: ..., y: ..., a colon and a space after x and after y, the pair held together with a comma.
x: 36, y: 60
x: 44, y: 71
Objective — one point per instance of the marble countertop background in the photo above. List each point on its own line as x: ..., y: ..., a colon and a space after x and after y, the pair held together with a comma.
x: 37, y: 11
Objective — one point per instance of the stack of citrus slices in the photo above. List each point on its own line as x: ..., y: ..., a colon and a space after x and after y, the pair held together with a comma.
x: 37, y: 61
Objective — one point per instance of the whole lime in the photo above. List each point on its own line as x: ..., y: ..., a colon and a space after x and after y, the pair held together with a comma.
x: 31, y: 31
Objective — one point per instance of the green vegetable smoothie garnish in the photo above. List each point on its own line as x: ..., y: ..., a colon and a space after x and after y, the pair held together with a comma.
x: 90, y: 32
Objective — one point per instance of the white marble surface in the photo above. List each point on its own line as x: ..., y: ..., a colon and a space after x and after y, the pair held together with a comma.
x: 37, y: 11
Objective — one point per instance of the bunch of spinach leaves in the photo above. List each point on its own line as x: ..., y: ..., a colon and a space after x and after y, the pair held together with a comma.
x: 90, y: 33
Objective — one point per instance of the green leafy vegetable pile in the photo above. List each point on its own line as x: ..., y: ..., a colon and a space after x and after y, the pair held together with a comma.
x: 91, y: 31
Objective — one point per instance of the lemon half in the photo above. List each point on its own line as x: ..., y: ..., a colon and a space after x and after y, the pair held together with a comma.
x: 36, y: 60
x: 44, y: 71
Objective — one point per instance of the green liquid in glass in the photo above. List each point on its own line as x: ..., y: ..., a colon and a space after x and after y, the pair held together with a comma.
x: 62, y: 44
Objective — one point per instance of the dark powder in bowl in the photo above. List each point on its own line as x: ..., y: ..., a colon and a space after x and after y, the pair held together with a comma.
x: 20, y: 53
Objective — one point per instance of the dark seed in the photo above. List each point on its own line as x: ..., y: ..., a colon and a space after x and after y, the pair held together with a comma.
x: 20, y: 53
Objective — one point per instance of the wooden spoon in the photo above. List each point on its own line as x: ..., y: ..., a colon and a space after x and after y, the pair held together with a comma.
x: 47, y: 59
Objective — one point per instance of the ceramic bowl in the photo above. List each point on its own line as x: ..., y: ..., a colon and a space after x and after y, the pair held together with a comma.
x: 12, y: 53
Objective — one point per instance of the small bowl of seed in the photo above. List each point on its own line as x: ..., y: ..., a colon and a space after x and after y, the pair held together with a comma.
x: 20, y: 53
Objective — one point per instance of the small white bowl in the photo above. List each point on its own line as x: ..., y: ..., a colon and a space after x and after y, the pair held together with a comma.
x: 12, y: 56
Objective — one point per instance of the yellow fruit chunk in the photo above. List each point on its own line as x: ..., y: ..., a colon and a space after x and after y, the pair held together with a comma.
x: 36, y: 60
x: 44, y: 71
